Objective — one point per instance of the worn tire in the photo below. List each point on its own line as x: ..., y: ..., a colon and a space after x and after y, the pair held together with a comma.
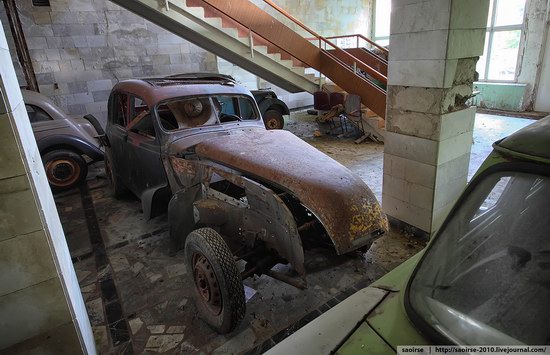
x: 65, y: 169
x: 118, y: 189
x: 228, y: 312
x: 273, y: 119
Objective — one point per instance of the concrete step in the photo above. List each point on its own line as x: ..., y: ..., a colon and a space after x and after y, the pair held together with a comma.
x: 261, y: 49
x: 214, y: 21
x: 233, y: 32
x: 196, y: 11
x: 298, y: 70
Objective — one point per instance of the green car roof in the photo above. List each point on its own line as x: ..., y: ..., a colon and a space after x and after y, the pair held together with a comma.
x: 531, y: 142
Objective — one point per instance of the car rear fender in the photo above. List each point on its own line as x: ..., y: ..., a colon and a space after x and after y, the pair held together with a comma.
x: 273, y: 104
x: 74, y: 143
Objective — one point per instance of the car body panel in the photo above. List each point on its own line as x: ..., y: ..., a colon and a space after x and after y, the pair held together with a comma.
x: 172, y: 88
x: 63, y: 141
x: 364, y: 341
x: 530, y: 142
x: 327, y: 332
x: 268, y: 100
x: 342, y: 202
x: 389, y: 319
x: 62, y: 130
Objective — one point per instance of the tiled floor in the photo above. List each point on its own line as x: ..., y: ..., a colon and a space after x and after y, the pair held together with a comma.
x: 139, y: 297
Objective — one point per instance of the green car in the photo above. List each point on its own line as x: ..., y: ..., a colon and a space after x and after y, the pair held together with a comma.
x: 484, y: 278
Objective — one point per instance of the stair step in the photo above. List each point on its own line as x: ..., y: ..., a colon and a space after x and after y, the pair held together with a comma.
x: 233, y: 32
x: 298, y: 70
x: 275, y: 56
x: 312, y: 77
x: 261, y: 49
x: 196, y: 11
x: 287, y: 63
x: 214, y: 21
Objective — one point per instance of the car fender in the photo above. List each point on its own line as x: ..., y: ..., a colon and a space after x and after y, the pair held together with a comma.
x: 181, y: 215
x: 154, y: 200
x: 273, y: 104
x: 67, y: 141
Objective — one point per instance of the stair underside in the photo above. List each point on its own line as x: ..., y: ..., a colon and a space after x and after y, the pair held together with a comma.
x: 205, y: 33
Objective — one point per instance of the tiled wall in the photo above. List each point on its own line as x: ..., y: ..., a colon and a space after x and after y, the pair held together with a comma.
x: 80, y: 49
x: 41, y: 308
x: 326, y: 17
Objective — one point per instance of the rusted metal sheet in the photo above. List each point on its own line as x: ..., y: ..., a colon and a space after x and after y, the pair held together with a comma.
x: 341, y: 201
x: 155, y: 90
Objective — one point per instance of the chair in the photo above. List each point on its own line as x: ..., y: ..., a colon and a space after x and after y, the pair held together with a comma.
x: 336, y: 98
x: 321, y: 101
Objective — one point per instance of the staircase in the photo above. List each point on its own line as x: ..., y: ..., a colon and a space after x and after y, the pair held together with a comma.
x: 242, y: 33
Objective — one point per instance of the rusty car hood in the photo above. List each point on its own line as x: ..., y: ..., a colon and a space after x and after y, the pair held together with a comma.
x: 342, y: 202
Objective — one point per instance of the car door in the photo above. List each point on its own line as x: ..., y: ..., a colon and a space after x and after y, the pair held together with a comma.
x: 146, y: 171
x: 117, y: 136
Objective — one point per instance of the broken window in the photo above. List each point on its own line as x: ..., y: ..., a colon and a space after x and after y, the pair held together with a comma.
x: 504, y: 28
x: 118, y: 103
x: 140, y: 118
x: 190, y: 112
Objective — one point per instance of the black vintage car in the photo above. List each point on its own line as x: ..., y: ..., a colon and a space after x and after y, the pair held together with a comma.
x: 197, y: 145
x: 272, y: 108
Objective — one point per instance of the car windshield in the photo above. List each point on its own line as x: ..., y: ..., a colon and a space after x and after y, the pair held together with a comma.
x: 486, y: 278
x: 189, y: 112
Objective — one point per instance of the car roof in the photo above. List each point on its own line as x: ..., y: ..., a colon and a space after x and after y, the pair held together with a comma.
x: 45, y: 103
x: 531, y: 142
x: 155, y: 90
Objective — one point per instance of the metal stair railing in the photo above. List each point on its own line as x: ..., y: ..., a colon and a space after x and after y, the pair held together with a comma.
x: 322, y: 42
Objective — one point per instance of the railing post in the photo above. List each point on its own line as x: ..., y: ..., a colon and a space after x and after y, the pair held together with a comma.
x: 167, y: 5
x: 354, y: 67
x: 251, y: 42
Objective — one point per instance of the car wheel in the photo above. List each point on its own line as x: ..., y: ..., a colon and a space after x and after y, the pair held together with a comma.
x: 65, y: 169
x: 117, y: 187
x: 273, y: 119
x: 219, y: 291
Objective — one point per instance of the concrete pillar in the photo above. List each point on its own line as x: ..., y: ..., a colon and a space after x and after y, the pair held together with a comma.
x: 41, y: 307
x: 434, y: 47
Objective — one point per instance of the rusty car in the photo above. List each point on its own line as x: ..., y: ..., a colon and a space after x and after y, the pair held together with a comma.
x: 66, y: 144
x: 196, y: 146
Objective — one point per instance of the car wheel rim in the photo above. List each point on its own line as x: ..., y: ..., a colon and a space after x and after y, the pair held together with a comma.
x: 62, y: 172
x: 273, y: 123
x: 207, y: 284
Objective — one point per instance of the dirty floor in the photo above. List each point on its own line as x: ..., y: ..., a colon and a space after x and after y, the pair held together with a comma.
x: 139, y: 297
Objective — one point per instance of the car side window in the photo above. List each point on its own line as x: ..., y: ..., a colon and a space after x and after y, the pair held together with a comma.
x: 120, y: 109
x: 247, y: 109
x: 140, y: 120
x: 36, y: 114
